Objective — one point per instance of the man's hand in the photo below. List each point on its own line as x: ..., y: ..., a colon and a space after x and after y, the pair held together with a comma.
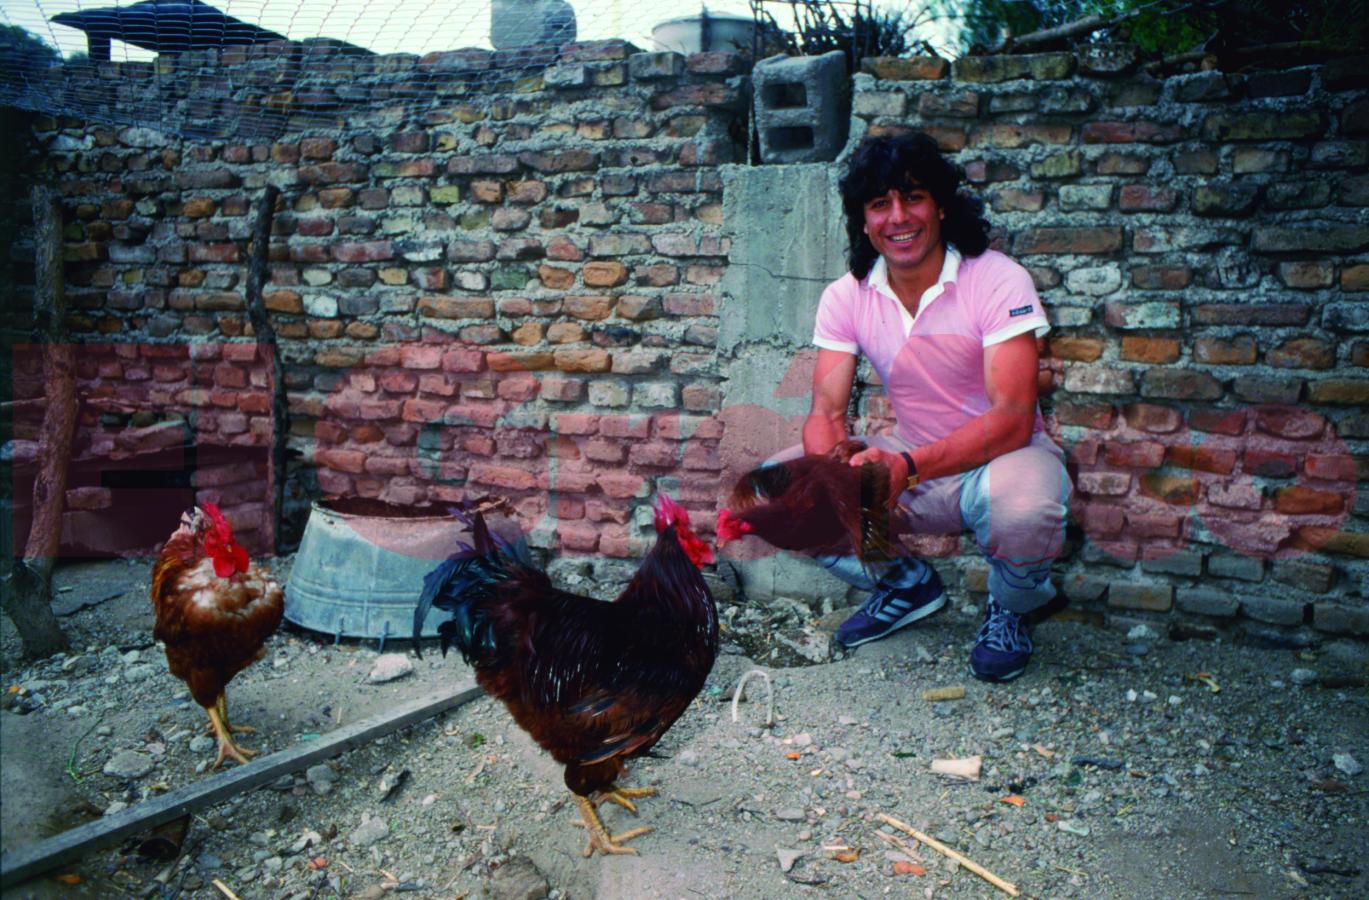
x: 894, y: 462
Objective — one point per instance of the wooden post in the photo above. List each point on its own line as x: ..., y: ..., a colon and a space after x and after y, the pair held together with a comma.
x: 29, y: 600
x: 266, y: 338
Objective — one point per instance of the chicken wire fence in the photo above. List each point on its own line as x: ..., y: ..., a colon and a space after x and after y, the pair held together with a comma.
x: 255, y: 67
x: 248, y: 67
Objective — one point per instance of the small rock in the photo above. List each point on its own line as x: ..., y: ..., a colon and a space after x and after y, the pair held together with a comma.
x: 201, y: 743
x: 787, y: 857
x: 135, y: 674
x: 1347, y: 764
x: 518, y: 879
x: 369, y: 832
x: 1302, y: 676
x: 132, y: 657
x: 845, y: 720
x: 688, y: 757
x: 116, y: 806
x: 320, y: 774
x: 390, y: 667
x: 790, y: 814
x: 429, y: 799
x: 803, y: 739
x: 128, y: 764
x: 76, y: 711
x: 104, y: 731
x: 805, y: 835
x: 1142, y: 633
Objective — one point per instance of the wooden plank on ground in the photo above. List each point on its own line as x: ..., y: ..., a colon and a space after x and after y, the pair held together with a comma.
x: 27, y: 862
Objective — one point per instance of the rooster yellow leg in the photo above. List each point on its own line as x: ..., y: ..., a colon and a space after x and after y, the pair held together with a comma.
x: 599, y: 838
x: 226, y: 745
x: 623, y: 796
x: 222, y: 705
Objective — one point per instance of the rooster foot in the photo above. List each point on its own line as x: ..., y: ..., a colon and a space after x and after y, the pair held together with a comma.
x: 227, y: 747
x: 623, y: 796
x: 599, y: 838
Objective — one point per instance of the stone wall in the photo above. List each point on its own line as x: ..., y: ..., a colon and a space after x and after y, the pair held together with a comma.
x: 1202, y: 244
x: 492, y: 286
x: 553, y: 288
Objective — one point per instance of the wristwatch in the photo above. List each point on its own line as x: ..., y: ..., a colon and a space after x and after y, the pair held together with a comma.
x: 913, y: 478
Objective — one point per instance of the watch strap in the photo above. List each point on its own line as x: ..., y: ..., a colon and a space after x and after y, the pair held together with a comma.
x: 913, y: 478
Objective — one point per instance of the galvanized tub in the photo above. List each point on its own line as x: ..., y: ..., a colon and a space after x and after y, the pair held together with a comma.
x: 360, y: 567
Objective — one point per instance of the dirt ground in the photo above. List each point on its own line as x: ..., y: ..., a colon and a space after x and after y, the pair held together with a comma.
x: 1123, y: 764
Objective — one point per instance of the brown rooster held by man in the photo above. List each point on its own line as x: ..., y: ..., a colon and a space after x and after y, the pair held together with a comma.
x: 214, y: 611
x: 816, y: 504
x: 594, y: 683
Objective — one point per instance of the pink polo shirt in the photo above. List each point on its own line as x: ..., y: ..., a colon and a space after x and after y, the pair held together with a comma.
x: 932, y: 367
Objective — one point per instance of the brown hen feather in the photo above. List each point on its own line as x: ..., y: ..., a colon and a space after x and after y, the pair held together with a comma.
x: 212, y: 627
x: 819, y: 504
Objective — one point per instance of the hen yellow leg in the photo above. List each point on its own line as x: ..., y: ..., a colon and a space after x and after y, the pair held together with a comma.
x: 226, y: 745
x: 222, y: 705
x: 623, y: 796
x: 599, y: 838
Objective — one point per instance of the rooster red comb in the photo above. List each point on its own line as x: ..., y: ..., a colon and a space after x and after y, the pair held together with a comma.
x: 228, y: 555
x: 669, y: 513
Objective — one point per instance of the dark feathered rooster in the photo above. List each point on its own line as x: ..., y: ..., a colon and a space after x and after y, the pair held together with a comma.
x: 594, y: 683
x: 214, y: 611
x: 816, y: 504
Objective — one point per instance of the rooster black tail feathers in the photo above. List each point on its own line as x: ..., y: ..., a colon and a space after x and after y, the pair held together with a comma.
x: 875, y: 540
x: 760, y: 484
x: 463, y: 586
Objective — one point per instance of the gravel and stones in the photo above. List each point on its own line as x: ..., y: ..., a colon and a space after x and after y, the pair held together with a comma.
x: 1197, y: 768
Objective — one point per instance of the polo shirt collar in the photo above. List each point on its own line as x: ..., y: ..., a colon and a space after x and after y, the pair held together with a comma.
x: 950, y: 269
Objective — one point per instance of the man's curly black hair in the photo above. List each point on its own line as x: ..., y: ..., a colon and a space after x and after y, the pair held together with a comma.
x: 884, y: 163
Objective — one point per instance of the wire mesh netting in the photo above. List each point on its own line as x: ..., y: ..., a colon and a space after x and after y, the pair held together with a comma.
x: 253, y: 68
x: 257, y: 68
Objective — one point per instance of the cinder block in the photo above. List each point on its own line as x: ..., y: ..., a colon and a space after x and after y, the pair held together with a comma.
x: 802, y: 107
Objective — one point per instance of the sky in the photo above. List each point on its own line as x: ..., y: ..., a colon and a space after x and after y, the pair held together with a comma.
x: 407, y: 26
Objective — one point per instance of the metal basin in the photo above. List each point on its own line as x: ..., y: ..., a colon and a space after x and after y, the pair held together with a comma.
x: 360, y: 567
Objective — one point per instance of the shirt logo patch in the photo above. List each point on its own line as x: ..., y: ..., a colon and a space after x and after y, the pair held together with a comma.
x: 1020, y: 311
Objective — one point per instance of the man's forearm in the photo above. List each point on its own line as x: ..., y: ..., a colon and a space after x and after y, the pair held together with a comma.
x: 821, y: 432
x: 974, y: 444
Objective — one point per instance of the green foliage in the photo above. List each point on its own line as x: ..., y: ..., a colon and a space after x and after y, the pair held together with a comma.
x: 821, y: 26
x: 1164, y: 27
x: 23, y: 51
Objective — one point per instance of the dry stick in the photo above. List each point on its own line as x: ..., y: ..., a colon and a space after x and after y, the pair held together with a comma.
x: 1068, y: 30
x: 769, y: 696
x: 266, y: 338
x: 226, y: 892
x: 991, y: 878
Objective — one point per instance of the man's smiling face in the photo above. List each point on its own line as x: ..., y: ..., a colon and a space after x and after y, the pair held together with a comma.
x: 904, y: 225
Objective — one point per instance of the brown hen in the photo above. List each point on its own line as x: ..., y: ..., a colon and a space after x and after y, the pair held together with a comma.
x: 214, y: 611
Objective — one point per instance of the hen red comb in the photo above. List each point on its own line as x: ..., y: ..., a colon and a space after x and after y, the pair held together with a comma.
x: 730, y: 527
x: 228, y: 555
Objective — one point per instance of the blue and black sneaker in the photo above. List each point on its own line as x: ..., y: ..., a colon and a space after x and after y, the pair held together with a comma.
x: 1002, y: 647
x: 890, y: 608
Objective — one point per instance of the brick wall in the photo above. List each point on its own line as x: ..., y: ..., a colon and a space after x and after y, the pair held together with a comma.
x: 487, y: 285
x: 515, y: 289
x: 1202, y: 244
